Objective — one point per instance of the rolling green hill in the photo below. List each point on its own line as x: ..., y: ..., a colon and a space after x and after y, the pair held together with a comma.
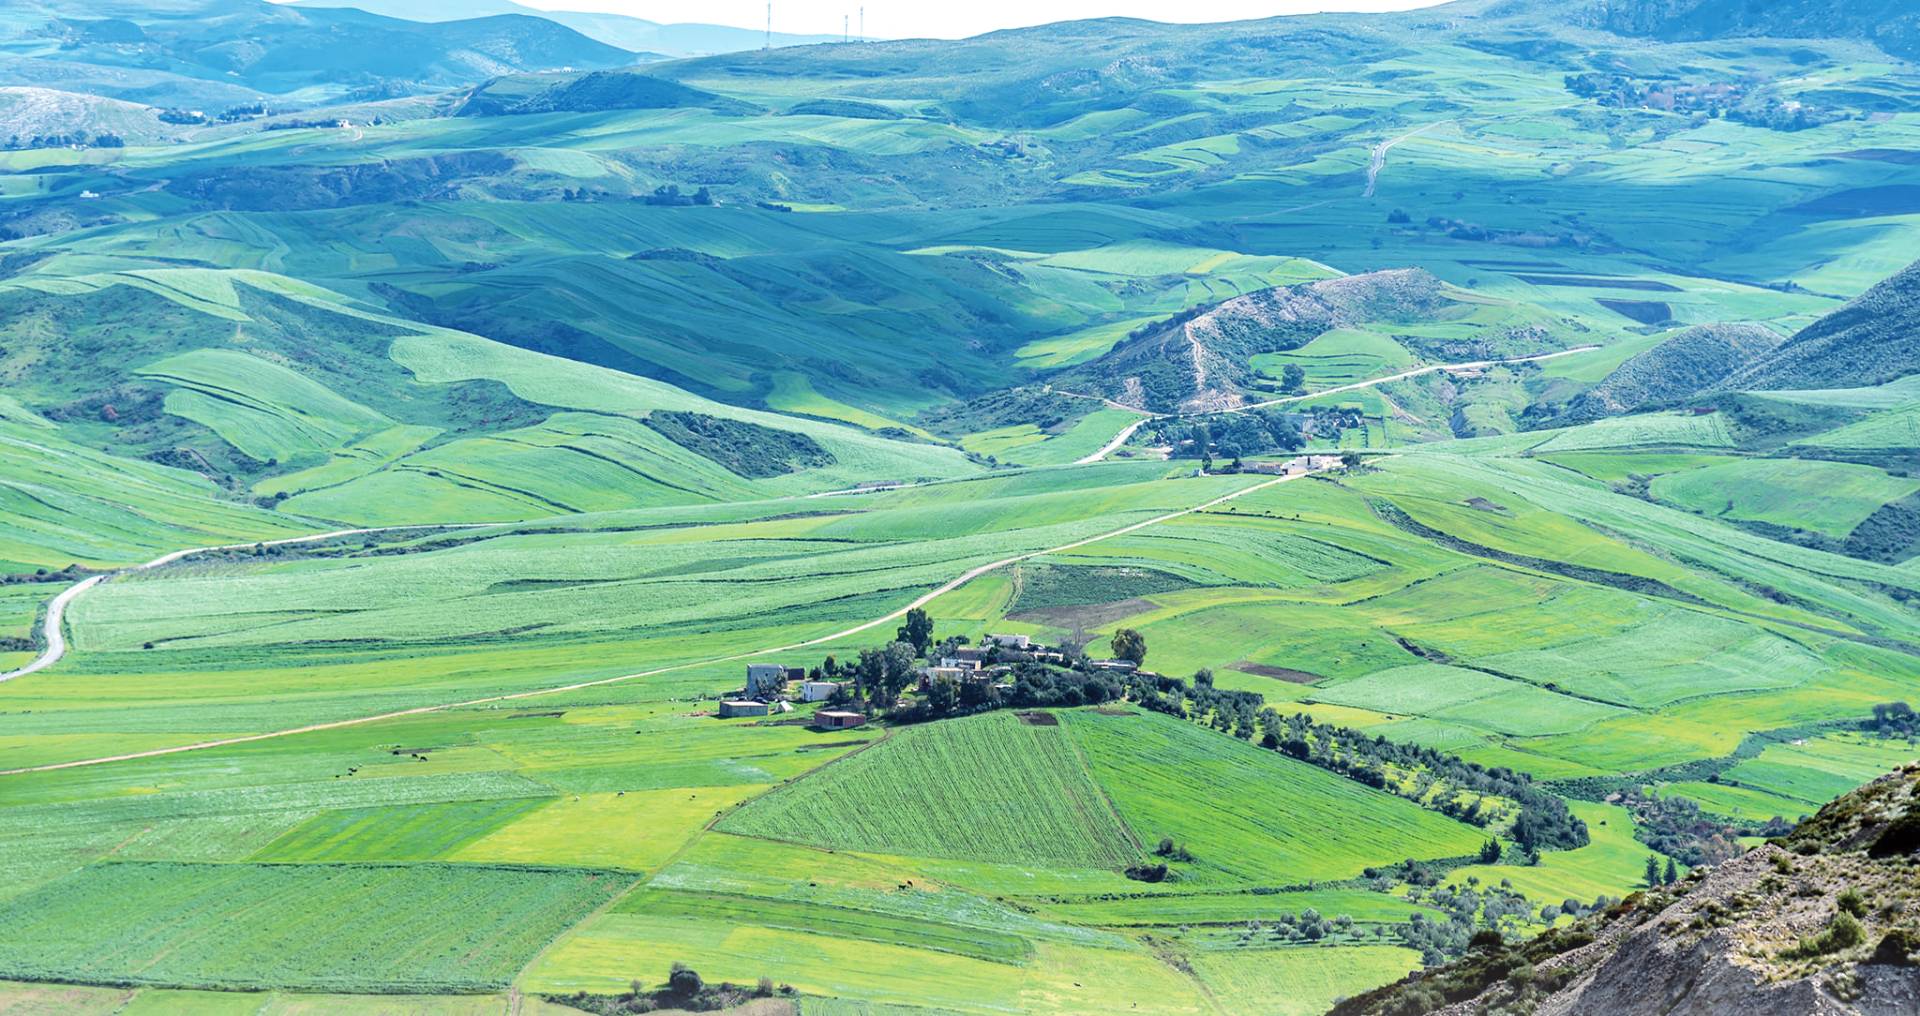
x: 1684, y: 365
x: 309, y: 53
x: 1868, y: 342
x: 520, y: 397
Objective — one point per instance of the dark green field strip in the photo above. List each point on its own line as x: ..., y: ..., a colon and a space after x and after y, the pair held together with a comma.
x: 395, y: 833
x: 823, y: 919
x: 379, y: 928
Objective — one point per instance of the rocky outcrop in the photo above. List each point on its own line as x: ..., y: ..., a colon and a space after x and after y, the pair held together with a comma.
x: 1822, y: 922
x: 1198, y: 361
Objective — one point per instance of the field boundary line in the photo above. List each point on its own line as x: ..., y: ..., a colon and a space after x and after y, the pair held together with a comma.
x: 921, y: 601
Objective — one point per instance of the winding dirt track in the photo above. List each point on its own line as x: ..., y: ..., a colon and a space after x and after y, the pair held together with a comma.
x: 54, y: 634
x: 1379, y: 160
x: 1122, y: 437
x: 965, y: 577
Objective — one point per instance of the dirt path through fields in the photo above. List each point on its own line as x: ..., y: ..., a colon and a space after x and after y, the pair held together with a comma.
x: 54, y: 634
x: 921, y: 601
x: 1122, y: 437
x: 1379, y: 161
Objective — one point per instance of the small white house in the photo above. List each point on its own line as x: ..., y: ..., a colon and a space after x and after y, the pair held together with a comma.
x: 818, y: 691
x: 1010, y: 641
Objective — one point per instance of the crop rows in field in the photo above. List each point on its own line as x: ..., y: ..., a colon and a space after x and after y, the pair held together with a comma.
x: 1709, y: 431
x: 820, y: 919
x: 987, y: 787
x: 1469, y: 697
x: 1249, y: 815
x: 1825, y: 497
x: 395, y: 833
x: 332, y: 927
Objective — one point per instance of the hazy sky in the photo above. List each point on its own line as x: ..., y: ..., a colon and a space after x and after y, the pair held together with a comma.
x: 956, y: 18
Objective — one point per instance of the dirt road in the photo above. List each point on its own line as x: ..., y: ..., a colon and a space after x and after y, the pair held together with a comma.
x: 1121, y: 438
x: 54, y: 634
x: 1379, y: 161
x: 921, y: 601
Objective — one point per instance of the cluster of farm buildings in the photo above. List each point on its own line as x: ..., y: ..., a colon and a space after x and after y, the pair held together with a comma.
x: 768, y: 684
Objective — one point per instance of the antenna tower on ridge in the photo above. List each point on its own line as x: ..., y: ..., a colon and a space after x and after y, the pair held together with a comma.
x: 769, y: 44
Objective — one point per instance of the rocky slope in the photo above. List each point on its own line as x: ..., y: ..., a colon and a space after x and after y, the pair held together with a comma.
x: 1198, y: 361
x: 1870, y: 341
x: 1685, y: 365
x: 1822, y: 922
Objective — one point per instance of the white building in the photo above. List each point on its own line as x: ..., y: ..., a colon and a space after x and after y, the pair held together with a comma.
x: 818, y: 691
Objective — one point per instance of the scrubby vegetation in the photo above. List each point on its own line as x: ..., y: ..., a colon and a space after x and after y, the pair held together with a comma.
x: 745, y: 448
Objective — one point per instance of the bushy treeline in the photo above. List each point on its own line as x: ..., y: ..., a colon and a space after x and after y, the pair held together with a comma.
x: 685, y: 991
x: 1543, y: 821
x: 1894, y: 719
x: 1230, y: 436
x: 74, y: 139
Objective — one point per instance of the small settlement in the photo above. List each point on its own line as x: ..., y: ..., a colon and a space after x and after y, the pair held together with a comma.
x: 979, y: 671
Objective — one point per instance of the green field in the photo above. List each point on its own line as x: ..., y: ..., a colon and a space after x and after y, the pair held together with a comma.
x: 1296, y: 824
x: 734, y: 358
x: 994, y: 788
x: 1825, y: 497
x: 385, y: 928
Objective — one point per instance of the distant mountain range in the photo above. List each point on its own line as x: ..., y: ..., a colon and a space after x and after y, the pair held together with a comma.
x: 215, y: 52
x: 1893, y: 25
x: 636, y: 34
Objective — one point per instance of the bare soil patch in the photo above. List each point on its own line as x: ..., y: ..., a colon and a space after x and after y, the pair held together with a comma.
x: 1277, y: 673
x: 1091, y: 615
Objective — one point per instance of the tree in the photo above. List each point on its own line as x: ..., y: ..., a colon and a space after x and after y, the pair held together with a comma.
x: 1203, y: 446
x: 1672, y: 874
x: 917, y: 632
x: 1293, y: 378
x: 868, y: 672
x: 684, y: 982
x: 896, y: 671
x: 1490, y: 852
x: 1350, y: 459
x: 1129, y: 645
x: 943, y: 695
x: 1653, y: 869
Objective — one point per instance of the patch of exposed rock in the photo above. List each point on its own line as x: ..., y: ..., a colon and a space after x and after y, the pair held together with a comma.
x: 1822, y: 922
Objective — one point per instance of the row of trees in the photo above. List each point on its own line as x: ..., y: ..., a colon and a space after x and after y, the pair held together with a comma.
x: 1895, y: 719
x: 1232, y: 435
x: 1543, y: 821
x: 72, y: 139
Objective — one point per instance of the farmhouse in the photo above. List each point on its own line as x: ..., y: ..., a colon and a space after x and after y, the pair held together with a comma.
x: 1010, y: 641
x: 963, y: 659
x: 764, y: 680
x: 837, y: 719
x: 742, y: 707
x: 818, y: 691
x: 1122, y: 666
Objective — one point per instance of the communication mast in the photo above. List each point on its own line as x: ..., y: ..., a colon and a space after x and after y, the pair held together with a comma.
x: 769, y: 44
